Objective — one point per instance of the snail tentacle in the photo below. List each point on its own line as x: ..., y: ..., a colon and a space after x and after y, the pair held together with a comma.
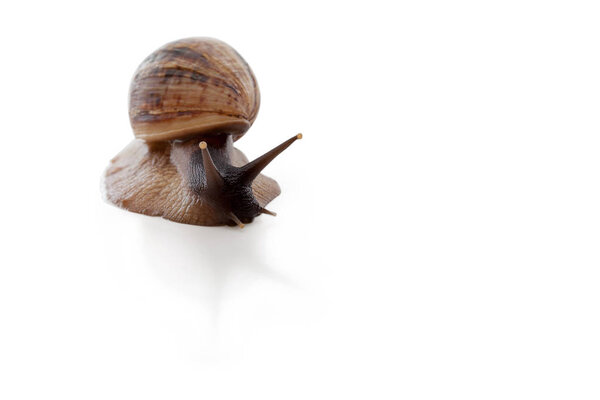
x: 268, y: 212
x: 236, y: 220
x: 251, y: 170
x: 213, y: 176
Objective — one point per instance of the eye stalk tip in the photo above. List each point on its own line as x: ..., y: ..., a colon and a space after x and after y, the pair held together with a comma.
x: 299, y: 136
x: 202, y: 145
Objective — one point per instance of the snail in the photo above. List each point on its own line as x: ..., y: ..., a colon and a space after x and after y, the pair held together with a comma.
x: 189, y: 101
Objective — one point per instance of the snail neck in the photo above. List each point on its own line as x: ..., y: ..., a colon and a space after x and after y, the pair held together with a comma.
x: 215, y: 175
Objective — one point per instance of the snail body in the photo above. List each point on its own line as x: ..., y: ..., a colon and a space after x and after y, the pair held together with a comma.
x: 189, y: 101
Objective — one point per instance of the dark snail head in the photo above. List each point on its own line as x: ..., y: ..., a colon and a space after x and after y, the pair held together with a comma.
x: 228, y: 189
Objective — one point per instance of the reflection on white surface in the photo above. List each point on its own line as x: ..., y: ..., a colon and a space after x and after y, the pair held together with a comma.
x: 204, y: 262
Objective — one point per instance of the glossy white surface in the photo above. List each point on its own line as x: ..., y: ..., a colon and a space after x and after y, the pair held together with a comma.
x: 437, y: 234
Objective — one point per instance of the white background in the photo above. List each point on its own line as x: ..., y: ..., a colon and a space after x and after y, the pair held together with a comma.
x: 438, y: 231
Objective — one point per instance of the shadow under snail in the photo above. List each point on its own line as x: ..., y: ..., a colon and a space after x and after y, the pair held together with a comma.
x: 189, y: 101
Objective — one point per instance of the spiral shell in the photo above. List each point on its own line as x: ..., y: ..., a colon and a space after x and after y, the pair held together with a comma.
x: 192, y: 86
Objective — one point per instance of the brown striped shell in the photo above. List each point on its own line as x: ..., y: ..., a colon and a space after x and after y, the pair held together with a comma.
x: 192, y: 86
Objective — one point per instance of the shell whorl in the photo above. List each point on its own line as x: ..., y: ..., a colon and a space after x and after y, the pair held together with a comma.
x: 190, y: 87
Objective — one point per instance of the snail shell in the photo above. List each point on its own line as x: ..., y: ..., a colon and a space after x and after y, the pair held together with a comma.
x: 192, y: 86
